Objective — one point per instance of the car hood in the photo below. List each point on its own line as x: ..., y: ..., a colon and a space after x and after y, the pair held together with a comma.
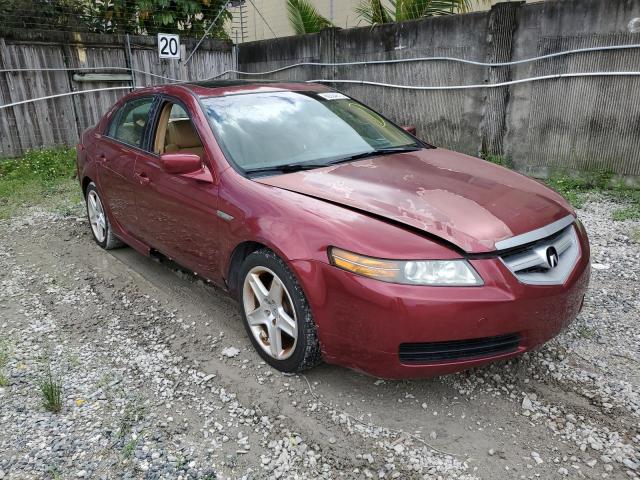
x: 466, y: 201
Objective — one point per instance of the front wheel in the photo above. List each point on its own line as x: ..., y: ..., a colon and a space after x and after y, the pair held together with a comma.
x: 276, y: 314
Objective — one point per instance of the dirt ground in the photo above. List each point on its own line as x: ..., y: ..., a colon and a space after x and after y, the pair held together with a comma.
x: 152, y: 390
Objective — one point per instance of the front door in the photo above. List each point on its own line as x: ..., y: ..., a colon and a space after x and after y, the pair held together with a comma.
x: 177, y: 213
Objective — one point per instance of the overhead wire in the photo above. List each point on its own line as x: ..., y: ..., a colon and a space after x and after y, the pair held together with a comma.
x: 352, y: 81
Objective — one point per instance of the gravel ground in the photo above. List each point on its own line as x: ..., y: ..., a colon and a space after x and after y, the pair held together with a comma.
x: 160, y: 381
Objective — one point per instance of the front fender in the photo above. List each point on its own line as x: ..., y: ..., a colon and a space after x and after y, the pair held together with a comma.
x: 302, y: 228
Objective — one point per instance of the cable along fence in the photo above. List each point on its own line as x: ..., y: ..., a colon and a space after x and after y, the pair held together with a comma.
x: 55, y: 84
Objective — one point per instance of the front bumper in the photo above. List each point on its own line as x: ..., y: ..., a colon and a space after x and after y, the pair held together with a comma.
x: 362, y: 322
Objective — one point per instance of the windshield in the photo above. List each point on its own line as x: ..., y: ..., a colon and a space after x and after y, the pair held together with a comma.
x: 260, y: 131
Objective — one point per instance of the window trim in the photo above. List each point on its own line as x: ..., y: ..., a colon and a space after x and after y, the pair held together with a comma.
x: 161, y: 99
x: 118, y: 114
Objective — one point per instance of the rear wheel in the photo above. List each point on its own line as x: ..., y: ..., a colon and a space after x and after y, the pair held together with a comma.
x: 276, y: 314
x: 100, y: 226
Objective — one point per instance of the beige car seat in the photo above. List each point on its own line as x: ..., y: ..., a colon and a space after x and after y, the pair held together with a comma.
x: 181, y: 137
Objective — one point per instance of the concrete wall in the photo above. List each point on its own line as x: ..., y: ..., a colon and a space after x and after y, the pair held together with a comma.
x: 575, y: 123
x: 265, y: 19
x: 581, y: 123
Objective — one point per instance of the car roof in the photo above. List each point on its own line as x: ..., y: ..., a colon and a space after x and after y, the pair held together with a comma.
x: 212, y: 88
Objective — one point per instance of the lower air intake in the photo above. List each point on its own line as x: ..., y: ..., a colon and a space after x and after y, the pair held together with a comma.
x: 458, y: 349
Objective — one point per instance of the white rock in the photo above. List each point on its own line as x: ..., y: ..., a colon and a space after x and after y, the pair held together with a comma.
x: 230, y: 352
x: 398, y: 448
x: 536, y: 457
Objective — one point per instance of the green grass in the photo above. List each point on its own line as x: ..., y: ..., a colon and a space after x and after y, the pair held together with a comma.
x: 497, y: 159
x: 40, y: 177
x: 576, y: 189
x: 45, y: 178
x: 4, y: 359
x: 51, y: 390
x: 130, y: 447
x: 132, y: 414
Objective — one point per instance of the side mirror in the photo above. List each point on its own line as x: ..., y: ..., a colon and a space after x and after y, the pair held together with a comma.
x: 180, y: 163
x: 409, y: 129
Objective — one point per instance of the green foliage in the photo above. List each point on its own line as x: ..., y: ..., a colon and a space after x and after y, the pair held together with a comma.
x: 374, y: 12
x: 142, y: 17
x: 39, y: 177
x: 304, y: 18
x: 51, y: 389
x: 498, y: 160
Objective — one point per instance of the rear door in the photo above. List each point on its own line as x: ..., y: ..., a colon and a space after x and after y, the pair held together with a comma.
x: 177, y: 213
x: 117, y: 153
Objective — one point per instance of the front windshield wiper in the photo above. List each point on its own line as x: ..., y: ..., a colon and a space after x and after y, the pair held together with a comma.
x: 375, y: 153
x: 296, y: 167
x: 287, y: 168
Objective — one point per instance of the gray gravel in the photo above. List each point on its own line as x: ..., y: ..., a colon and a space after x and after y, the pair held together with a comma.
x: 159, y: 380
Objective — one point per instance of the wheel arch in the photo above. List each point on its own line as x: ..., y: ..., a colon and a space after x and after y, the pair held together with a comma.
x: 240, y: 252
x: 86, y: 180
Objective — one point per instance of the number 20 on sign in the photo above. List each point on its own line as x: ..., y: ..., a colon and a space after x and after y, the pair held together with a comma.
x: 168, y: 45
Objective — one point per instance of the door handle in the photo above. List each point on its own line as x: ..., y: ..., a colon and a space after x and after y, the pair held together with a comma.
x: 142, y: 178
x: 102, y: 158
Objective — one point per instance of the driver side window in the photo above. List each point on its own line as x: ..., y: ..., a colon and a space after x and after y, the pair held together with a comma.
x: 176, y: 133
x: 129, y: 123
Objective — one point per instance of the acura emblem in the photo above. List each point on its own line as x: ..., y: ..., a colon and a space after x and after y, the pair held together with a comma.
x: 552, y: 257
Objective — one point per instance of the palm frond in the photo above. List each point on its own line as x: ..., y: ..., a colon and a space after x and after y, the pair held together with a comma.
x: 414, y: 9
x: 373, y: 12
x: 304, y: 18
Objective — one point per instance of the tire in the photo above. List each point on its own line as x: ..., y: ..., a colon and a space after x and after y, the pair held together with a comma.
x: 261, y: 319
x: 99, y: 220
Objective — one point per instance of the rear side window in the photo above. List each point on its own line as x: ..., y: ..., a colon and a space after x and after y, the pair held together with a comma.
x: 129, y: 123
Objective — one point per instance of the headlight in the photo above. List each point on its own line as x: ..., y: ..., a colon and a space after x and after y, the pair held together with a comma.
x: 411, y: 272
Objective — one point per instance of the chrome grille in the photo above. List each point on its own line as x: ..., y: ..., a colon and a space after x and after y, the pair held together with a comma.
x: 531, y: 263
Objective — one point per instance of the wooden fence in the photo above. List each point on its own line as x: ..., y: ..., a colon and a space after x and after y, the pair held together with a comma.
x: 59, y: 121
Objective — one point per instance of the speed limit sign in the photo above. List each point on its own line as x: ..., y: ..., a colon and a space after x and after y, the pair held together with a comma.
x: 168, y: 45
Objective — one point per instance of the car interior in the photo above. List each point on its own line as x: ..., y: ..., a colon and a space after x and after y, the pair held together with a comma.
x: 131, y: 131
x: 176, y: 133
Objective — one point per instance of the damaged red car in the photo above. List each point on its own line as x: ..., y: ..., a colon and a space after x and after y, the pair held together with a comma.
x: 343, y: 236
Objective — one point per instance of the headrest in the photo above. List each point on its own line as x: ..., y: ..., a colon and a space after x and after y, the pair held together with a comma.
x: 182, y: 134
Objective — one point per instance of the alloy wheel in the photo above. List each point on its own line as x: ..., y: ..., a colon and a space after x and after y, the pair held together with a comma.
x: 270, y: 312
x: 96, y: 216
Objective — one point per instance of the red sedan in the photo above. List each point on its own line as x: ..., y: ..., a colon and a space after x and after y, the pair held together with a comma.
x: 343, y: 236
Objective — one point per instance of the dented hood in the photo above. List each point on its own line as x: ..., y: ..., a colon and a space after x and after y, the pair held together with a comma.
x: 463, y: 200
